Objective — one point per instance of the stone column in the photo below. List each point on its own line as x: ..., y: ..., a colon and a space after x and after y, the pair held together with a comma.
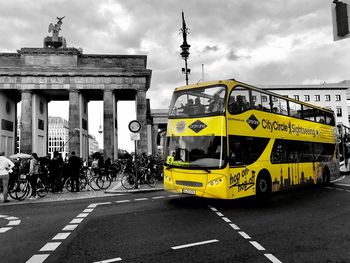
x: 74, y: 122
x: 154, y: 139
x: 26, y: 125
x: 110, y: 137
x: 141, y: 116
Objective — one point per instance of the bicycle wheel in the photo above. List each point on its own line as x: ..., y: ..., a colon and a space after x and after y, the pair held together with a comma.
x: 93, y: 183
x: 68, y: 184
x: 104, y: 181
x: 82, y: 182
x: 22, y: 190
x: 151, y: 180
x: 128, y: 181
x: 12, y: 190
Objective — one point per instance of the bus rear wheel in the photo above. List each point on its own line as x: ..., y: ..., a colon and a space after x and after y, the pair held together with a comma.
x: 263, y: 186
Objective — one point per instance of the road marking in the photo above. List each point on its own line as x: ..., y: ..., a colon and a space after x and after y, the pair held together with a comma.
x: 76, y: 221
x: 11, y: 218
x: 219, y: 214
x: 50, y: 246
x: 12, y: 221
x: 38, y: 258
x: 339, y: 189
x: 257, y: 245
x: 272, y: 258
x: 4, y: 229
x: 343, y: 184
x: 226, y: 219
x: 122, y: 201
x: 61, y: 236
x: 69, y: 227
x: 83, y: 215
x: 235, y: 227
x: 109, y: 260
x: 158, y: 197
x: 244, y: 235
x: 195, y: 244
x: 213, y: 208
x: 140, y: 199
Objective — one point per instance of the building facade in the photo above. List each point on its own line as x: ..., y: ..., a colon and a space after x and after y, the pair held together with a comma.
x: 58, y: 136
x: 326, y: 95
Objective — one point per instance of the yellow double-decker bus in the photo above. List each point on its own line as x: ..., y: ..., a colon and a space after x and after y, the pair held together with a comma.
x: 227, y: 139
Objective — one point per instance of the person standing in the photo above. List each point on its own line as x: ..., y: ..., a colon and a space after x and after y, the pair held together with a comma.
x: 74, y: 167
x: 33, y: 174
x: 55, y: 173
x: 6, y: 166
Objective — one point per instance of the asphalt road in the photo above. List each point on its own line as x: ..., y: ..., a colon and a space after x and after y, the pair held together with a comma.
x: 305, y: 225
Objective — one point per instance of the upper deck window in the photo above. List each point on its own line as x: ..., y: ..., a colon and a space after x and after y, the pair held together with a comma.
x: 198, y: 102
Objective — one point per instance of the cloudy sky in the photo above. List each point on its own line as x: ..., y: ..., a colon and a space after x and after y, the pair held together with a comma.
x: 258, y: 42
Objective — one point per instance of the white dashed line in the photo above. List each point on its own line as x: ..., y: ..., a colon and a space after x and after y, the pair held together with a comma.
x: 219, y: 214
x: 257, y: 245
x: 195, y: 244
x: 122, y: 201
x: 226, y: 219
x: 272, y: 258
x: 83, y: 215
x: 61, y: 236
x: 244, y: 235
x: 12, y: 221
x: 88, y: 210
x: 173, y: 195
x: 76, y: 221
x: 69, y: 227
x: 158, y: 197
x: 141, y: 199
x: 235, y: 227
x: 109, y: 260
x: 50, y: 246
x: 38, y: 258
x: 4, y: 229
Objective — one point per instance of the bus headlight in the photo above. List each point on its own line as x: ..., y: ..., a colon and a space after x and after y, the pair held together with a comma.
x: 215, y: 182
x: 168, y: 178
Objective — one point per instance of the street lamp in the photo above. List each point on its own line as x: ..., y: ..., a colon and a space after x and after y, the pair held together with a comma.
x: 185, y: 47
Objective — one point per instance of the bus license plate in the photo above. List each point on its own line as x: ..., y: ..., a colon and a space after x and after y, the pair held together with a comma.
x: 188, y: 191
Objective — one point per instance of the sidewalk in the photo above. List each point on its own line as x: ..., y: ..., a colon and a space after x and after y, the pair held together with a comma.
x: 115, y: 189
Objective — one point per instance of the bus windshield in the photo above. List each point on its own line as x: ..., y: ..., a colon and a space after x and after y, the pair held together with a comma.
x: 196, y: 151
x: 206, y: 101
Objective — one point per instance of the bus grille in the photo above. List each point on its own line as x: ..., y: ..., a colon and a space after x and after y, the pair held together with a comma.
x: 189, y: 183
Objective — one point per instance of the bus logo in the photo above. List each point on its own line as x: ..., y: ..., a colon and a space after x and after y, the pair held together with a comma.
x: 197, y: 126
x: 253, y: 122
x: 180, y: 126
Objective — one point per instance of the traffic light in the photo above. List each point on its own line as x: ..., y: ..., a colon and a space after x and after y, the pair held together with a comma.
x: 341, y: 12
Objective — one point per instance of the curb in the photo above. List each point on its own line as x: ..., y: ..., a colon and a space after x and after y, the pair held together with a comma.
x: 133, y: 191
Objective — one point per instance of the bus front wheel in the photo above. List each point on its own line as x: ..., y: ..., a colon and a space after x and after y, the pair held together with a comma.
x: 263, y: 185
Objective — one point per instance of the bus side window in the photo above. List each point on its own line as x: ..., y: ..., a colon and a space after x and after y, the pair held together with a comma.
x: 238, y: 100
x: 319, y: 115
x: 260, y: 101
x: 294, y: 109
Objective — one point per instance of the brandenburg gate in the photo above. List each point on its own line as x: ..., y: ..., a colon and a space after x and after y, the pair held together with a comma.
x: 35, y: 76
